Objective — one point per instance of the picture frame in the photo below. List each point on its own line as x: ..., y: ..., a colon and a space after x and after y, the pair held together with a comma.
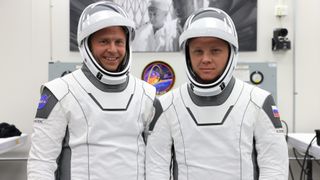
x: 165, y: 39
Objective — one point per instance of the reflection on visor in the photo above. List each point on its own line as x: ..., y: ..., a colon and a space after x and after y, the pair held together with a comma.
x: 214, y: 23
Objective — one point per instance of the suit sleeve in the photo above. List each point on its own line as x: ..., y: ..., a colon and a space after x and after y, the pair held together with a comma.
x: 271, y: 146
x: 46, y: 142
x: 158, y: 153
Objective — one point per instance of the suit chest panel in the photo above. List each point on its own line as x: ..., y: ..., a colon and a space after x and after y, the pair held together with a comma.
x: 213, y: 129
x: 106, y: 114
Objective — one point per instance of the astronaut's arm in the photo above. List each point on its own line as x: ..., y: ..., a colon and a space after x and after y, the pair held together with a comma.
x: 46, y: 141
x: 158, y: 153
x: 272, y: 150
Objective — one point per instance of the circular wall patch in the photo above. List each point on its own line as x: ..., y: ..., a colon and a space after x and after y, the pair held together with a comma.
x: 160, y: 75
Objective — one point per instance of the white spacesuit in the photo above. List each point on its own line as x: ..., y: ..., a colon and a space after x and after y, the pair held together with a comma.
x: 90, y: 124
x: 225, y: 129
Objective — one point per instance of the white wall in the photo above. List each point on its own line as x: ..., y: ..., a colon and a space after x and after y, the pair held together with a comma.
x: 18, y: 69
x: 39, y: 33
x: 307, y: 60
x: 18, y: 77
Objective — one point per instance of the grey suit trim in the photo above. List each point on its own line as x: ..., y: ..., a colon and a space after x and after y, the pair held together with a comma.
x: 210, y: 124
x: 267, y: 107
x: 158, y: 112
x: 254, y: 156
x: 212, y: 100
x: 51, y: 101
x: 104, y: 109
x: 63, y: 171
x: 101, y: 86
x: 174, y: 164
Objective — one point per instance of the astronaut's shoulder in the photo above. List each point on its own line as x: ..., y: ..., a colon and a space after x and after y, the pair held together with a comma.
x: 265, y: 101
x: 58, y: 87
x: 51, y: 93
x: 148, y: 89
x: 258, y: 95
x: 167, y: 99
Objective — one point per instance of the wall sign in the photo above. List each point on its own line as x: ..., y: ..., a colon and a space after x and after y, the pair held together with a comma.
x: 160, y: 75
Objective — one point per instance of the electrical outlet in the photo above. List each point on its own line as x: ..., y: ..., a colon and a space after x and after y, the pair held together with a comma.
x: 281, y: 10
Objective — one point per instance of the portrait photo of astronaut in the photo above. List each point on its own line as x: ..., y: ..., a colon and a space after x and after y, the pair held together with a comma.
x: 159, y: 23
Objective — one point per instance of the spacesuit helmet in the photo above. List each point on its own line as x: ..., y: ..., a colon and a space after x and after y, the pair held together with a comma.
x: 210, y: 22
x: 98, y: 16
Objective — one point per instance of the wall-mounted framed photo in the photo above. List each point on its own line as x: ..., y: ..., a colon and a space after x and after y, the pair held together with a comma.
x: 159, y: 22
x: 160, y: 75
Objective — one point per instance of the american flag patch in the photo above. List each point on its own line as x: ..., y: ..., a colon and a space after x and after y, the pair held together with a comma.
x: 275, y: 111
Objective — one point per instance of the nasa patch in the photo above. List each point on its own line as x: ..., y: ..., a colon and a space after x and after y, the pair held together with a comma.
x: 46, y: 104
x: 43, y: 101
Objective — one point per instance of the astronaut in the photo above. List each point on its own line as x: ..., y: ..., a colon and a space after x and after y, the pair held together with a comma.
x: 91, y: 123
x: 215, y: 126
x: 182, y: 9
x: 152, y: 35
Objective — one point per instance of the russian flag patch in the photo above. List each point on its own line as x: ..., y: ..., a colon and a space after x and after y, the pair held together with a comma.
x: 275, y: 111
